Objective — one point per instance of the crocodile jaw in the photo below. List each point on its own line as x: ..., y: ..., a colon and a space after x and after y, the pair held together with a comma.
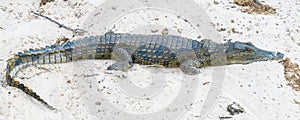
x: 245, y: 53
x: 271, y: 56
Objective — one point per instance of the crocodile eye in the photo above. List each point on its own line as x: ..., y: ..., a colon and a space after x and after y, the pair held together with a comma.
x: 243, y: 49
x: 249, y: 50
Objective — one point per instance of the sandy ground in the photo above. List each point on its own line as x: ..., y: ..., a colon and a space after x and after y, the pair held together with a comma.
x: 260, y: 88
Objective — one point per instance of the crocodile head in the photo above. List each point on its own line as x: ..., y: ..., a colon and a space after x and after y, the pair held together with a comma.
x: 244, y: 53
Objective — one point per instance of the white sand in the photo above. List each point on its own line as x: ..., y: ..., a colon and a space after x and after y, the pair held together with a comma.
x: 260, y: 88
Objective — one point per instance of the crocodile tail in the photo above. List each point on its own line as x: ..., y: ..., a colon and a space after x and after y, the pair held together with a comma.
x: 47, y: 55
x: 69, y: 51
x: 14, y: 83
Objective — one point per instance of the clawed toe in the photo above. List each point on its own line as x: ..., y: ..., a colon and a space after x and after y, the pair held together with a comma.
x: 190, y: 71
x: 120, y: 66
x: 189, y: 67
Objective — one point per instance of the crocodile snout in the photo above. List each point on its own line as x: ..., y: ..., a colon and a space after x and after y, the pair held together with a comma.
x: 273, y: 55
x: 279, y: 55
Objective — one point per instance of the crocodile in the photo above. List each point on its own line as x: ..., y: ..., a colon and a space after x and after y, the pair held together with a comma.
x: 166, y: 50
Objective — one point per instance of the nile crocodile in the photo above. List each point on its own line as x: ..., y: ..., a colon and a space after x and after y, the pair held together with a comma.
x: 127, y: 49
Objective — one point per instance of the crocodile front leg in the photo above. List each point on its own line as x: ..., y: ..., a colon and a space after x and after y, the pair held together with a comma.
x: 189, y: 67
x: 124, y: 60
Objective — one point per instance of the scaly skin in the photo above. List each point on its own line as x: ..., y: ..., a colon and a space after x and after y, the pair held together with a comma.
x: 126, y: 49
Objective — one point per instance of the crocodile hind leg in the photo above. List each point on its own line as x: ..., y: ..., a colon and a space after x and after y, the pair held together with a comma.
x: 124, y: 60
x: 190, y: 67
